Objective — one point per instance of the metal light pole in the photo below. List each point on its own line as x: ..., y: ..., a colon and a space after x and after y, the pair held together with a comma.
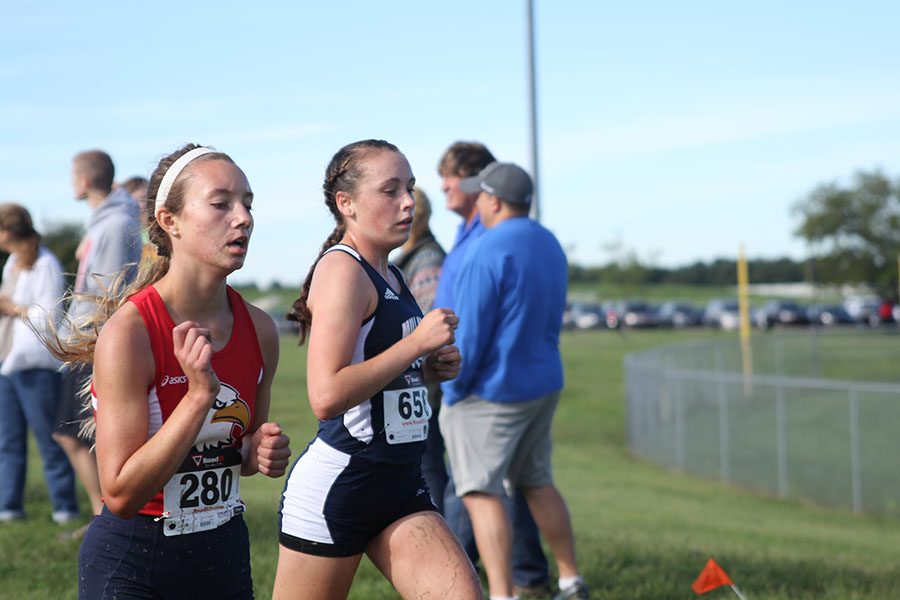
x: 532, y: 88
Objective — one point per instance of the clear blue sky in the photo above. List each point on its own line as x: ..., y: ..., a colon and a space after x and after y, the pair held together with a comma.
x: 675, y: 130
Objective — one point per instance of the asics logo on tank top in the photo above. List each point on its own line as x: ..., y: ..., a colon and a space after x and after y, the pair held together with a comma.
x: 390, y: 295
x: 172, y: 380
x: 408, y: 327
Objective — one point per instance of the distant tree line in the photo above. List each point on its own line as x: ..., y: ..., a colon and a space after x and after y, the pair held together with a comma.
x: 852, y: 231
x: 720, y: 271
x: 853, y: 234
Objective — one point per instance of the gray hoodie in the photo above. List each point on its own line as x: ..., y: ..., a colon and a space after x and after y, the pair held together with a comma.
x: 112, y: 246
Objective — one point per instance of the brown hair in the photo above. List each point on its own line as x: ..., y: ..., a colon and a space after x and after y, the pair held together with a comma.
x: 16, y: 219
x: 98, y: 167
x: 464, y: 159
x: 343, y: 174
x: 135, y: 183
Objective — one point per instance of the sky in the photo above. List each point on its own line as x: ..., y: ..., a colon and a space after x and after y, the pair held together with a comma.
x: 669, y: 131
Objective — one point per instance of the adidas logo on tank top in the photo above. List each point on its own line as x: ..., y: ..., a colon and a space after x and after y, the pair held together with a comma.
x: 389, y: 294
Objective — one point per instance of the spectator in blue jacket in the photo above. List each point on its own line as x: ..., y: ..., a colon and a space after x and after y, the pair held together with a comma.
x: 510, y: 295
x: 530, y: 569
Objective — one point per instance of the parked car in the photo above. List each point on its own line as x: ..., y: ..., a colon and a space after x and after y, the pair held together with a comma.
x: 586, y: 315
x: 722, y: 313
x: 869, y: 311
x: 780, y: 313
x: 631, y: 313
x: 886, y: 312
x: 828, y: 314
x: 678, y: 314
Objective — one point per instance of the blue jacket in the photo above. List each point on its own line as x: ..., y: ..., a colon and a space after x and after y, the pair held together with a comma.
x: 510, y: 296
x: 465, y: 235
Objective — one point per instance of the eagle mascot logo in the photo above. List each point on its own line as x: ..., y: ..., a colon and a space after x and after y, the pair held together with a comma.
x: 227, y: 420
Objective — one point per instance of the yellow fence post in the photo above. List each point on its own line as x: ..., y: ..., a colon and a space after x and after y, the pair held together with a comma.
x: 744, y: 307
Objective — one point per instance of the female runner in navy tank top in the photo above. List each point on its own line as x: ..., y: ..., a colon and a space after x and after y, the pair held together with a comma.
x: 181, y: 386
x: 358, y: 488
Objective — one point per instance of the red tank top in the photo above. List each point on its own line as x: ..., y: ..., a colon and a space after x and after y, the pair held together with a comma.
x: 201, y: 482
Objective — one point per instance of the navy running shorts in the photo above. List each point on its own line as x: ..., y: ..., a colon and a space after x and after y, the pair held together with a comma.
x: 132, y: 558
x: 334, y: 504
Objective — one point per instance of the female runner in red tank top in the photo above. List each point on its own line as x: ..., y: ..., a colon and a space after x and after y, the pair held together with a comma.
x: 181, y: 387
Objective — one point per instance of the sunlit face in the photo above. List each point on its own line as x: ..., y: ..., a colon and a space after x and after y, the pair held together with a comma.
x: 382, y: 206
x: 214, y: 224
x: 459, y: 202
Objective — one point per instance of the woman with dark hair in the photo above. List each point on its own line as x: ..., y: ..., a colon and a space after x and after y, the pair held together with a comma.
x: 358, y: 488
x: 29, y: 382
x: 181, y: 386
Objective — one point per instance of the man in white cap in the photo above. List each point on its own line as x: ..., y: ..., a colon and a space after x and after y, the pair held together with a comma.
x: 498, y: 411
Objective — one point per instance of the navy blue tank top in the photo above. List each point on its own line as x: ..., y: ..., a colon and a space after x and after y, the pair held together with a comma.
x: 391, y: 426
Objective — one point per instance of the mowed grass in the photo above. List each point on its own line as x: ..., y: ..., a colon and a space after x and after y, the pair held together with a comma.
x: 642, y: 531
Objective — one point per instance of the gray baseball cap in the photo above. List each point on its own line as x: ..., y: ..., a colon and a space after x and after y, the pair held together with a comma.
x: 507, y: 181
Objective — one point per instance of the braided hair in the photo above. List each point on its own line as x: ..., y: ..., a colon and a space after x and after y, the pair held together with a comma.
x: 343, y: 174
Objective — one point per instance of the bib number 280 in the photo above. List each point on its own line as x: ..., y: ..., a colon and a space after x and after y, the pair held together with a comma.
x: 206, y: 488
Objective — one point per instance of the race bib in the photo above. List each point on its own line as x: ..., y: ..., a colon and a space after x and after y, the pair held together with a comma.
x: 406, y: 414
x: 201, y: 499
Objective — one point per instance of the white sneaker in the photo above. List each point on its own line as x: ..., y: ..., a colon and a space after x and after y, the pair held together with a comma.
x: 63, y: 517
x: 576, y: 591
x: 8, y: 516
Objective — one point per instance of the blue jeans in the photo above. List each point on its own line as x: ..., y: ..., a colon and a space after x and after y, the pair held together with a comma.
x: 529, y: 564
x: 29, y: 399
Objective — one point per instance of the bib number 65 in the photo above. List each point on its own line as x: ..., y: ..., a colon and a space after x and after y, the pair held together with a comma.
x: 414, y: 403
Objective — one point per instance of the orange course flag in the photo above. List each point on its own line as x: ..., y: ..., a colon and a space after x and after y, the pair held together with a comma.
x: 711, y: 577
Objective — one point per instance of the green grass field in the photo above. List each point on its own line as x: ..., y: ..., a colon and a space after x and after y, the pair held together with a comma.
x: 642, y: 531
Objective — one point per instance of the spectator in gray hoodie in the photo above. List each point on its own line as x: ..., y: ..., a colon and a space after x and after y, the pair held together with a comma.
x: 108, y: 255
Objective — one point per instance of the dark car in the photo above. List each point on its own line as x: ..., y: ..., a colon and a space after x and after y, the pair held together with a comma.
x: 631, y: 313
x: 828, y: 314
x: 678, y: 314
x: 780, y: 313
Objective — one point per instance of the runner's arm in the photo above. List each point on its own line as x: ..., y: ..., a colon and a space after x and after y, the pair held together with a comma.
x: 341, y: 297
x: 133, y: 468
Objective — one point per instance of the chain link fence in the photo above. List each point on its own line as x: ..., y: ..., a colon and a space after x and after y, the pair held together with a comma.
x: 818, y: 418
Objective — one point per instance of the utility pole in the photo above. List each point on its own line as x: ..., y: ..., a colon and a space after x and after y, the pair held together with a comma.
x: 532, y: 89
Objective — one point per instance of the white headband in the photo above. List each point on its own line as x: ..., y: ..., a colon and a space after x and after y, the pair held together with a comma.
x: 172, y: 174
